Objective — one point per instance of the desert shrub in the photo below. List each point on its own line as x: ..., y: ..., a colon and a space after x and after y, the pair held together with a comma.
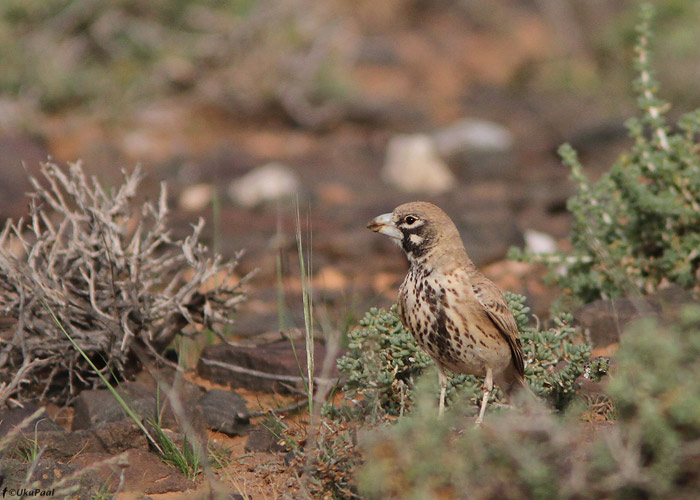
x: 638, y: 226
x: 657, y: 400
x: 384, y: 360
x: 651, y: 452
x: 111, y: 274
x: 332, y: 464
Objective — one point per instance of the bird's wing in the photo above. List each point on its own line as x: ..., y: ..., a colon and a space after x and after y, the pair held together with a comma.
x: 495, y: 305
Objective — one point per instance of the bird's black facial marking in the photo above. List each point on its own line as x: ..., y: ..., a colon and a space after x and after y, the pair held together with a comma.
x: 415, y: 235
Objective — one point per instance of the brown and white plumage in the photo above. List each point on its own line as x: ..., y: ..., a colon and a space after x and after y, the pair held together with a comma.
x: 457, y: 315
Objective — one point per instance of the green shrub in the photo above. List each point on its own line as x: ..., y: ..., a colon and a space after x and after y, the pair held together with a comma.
x: 657, y: 399
x: 638, y: 227
x: 651, y: 452
x: 384, y: 360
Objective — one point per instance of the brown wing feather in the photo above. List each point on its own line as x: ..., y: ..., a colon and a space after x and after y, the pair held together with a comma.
x: 493, y: 302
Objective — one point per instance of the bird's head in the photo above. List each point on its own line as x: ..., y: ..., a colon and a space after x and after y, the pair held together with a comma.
x: 420, y: 229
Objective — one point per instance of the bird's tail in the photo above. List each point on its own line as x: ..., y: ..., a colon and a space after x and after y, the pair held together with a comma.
x: 512, y: 382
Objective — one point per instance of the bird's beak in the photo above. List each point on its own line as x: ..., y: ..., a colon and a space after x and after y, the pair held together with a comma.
x: 383, y: 224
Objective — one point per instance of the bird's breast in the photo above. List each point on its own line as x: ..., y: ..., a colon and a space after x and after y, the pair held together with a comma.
x: 437, y: 310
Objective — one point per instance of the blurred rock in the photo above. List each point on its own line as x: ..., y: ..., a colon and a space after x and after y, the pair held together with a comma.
x: 10, y: 418
x: 46, y: 472
x: 605, y: 320
x: 413, y: 166
x: 196, y: 198
x: 538, y: 242
x: 482, y: 149
x: 270, y: 367
x: 472, y: 135
x: 269, y: 182
x: 225, y: 411
x: 111, y: 437
x: 98, y: 406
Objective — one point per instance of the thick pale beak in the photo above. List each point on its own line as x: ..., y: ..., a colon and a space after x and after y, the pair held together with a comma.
x: 383, y: 224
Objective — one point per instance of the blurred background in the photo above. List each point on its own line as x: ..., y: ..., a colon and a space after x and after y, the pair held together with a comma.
x: 354, y: 106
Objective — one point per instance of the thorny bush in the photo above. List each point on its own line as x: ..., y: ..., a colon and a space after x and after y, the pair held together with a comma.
x: 111, y: 275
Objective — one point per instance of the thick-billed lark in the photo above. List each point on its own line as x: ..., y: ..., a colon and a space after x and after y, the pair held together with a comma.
x: 457, y: 315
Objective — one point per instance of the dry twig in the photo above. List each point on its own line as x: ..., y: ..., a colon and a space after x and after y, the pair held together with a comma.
x: 113, y: 276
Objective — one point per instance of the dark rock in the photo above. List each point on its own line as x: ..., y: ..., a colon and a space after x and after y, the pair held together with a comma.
x: 289, y: 458
x: 225, y: 411
x: 165, y: 380
x: 108, y: 438
x: 271, y: 367
x: 10, y: 418
x: 99, y: 406
x: 674, y: 297
x: 47, y: 472
x: 604, y: 320
x: 262, y: 439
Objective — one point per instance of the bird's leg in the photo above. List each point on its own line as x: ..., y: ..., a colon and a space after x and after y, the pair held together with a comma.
x: 488, y: 387
x: 443, y: 388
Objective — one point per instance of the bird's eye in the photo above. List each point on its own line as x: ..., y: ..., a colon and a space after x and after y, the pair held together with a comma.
x: 410, y: 220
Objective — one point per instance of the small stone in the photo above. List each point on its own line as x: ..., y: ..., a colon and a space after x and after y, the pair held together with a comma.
x: 412, y: 165
x: 472, y: 135
x: 538, y: 242
x: 196, y: 198
x: 270, y: 182
x: 225, y: 411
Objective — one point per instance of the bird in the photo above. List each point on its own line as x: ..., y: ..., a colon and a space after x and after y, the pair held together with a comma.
x: 456, y: 314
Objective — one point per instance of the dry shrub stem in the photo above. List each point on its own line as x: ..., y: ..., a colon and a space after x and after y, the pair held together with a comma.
x: 113, y: 276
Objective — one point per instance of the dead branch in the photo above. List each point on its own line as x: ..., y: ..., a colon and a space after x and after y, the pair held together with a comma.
x: 113, y: 275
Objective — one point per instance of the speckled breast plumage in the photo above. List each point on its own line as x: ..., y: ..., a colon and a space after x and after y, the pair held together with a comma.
x: 432, y: 307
